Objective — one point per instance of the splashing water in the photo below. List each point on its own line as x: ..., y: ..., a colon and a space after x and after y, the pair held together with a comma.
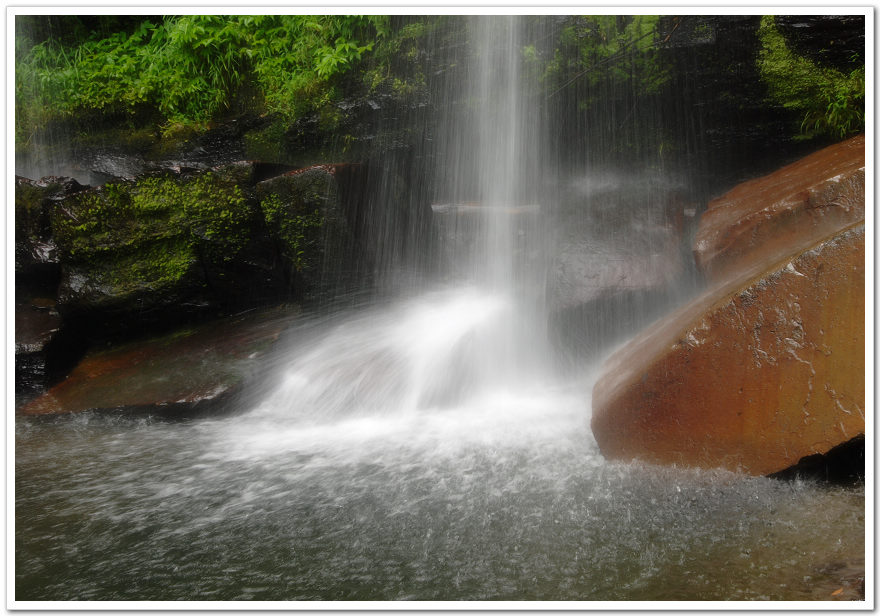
x: 426, y: 372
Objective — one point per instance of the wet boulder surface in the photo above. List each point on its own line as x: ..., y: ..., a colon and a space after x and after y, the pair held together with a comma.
x: 765, y: 368
x: 38, y: 345
x: 190, y: 371
x: 310, y: 216
x: 36, y: 324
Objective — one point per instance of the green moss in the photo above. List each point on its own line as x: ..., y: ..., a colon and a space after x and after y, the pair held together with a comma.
x: 153, y: 267
x: 149, y: 234
x: 266, y: 144
x: 298, y: 233
x: 830, y: 102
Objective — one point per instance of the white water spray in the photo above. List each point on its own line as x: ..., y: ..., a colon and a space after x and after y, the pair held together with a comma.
x: 481, y: 341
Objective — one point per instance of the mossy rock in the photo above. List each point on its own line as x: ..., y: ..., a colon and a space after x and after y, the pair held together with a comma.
x: 266, y: 143
x: 133, y: 248
x: 146, y: 275
x: 306, y: 220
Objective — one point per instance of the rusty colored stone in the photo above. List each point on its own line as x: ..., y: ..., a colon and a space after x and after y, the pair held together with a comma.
x: 753, y: 375
x: 172, y: 372
x: 759, y: 221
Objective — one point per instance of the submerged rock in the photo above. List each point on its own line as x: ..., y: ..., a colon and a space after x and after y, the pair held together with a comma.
x: 752, y: 376
x: 171, y: 375
x: 759, y: 221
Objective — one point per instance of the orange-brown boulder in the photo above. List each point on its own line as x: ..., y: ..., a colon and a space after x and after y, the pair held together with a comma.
x: 758, y: 221
x: 752, y: 376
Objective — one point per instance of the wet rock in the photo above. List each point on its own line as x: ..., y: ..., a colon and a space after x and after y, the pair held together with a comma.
x: 843, y: 464
x: 37, y: 276
x: 587, y: 270
x: 126, y: 250
x: 34, y: 205
x: 760, y: 220
x: 36, y: 323
x: 176, y: 374
x: 466, y: 234
x: 179, y: 245
x: 618, y: 258
x: 837, y: 41
x: 722, y: 127
x: 752, y: 376
x: 602, y: 290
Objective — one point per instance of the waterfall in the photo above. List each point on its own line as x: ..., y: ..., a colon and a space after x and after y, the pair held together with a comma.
x: 484, y: 331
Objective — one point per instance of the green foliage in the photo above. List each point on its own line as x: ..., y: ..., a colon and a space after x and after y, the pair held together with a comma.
x: 296, y: 58
x: 611, y: 51
x: 397, y: 61
x: 831, y: 102
x: 296, y: 232
x: 191, y: 67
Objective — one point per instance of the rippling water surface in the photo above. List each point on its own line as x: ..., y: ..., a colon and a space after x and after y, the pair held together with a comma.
x: 398, y: 477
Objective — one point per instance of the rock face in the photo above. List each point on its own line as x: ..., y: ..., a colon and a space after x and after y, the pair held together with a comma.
x: 37, y: 272
x: 142, y: 249
x: 767, y: 366
x: 798, y: 204
x: 600, y: 287
x: 35, y: 202
x: 171, y: 248
x: 752, y: 376
x: 178, y: 245
x: 171, y: 375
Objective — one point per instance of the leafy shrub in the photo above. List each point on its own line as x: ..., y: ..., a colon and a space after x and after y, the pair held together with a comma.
x: 191, y: 67
x: 830, y: 102
x: 608, y: 50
